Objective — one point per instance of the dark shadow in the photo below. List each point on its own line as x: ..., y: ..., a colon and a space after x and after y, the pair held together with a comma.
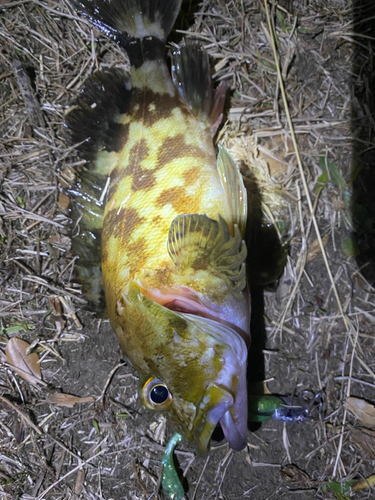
x: 363, y: 132
x: 185, y: 19
x: 255, y: 362
x: 265, y: 263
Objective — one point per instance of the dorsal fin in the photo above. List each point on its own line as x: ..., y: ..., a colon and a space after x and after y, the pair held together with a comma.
x: 192, y: 77
x: 93, y: 121
x: 203, y: 243
x: 235, y: 191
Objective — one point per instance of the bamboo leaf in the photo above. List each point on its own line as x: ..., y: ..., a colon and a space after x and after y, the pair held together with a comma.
x: 67, y: 400
x: 26, y: 365
x: 328, y: 165
x: 364, y: 411
x: 341, y: 490
x: 15, y: 329
x: 314, y: 249
x: 369, y: 482
x: 350, y: 247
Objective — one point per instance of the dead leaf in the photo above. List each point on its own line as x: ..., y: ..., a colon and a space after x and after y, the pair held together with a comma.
x: 19, y: 430
x: 60, y: 240
x: 358, y: 280
x: 78, y: 487
x: 369, y: 432
x: 314, y: 249
x: 296, y: 477
x: 55, y: 305
x: 57, y: 313
x: 67, y: 400
x: 63, y: 201
x: 275, y: 152
x: 26, y: 365
x: 369, y: 482
x: 364, y: 441
x: 364, y: 411
x: 331, y: 392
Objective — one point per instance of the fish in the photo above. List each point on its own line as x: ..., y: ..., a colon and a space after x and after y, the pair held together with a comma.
x: 160, y: 218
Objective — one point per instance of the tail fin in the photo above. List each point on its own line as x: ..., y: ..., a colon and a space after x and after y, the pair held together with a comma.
x: 131, y: 19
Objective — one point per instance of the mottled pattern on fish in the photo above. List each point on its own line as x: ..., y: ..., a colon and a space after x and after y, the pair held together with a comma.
x: 172, y: 254
x: 166, y: 167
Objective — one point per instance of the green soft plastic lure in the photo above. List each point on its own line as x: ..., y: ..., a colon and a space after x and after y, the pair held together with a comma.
x: 170, y: 481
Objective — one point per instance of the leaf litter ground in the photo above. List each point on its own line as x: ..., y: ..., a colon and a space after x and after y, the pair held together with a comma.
x: 304, y: 341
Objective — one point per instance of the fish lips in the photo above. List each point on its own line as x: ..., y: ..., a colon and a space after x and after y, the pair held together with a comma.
x: 218, y: 406
x: 234, y: 431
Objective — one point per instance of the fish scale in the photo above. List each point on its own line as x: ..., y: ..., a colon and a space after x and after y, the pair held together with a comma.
x: 166, y: 193
x: 170, y: 223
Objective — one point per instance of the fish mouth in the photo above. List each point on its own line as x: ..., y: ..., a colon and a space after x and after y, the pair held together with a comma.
x: 235, y: 436
x: 224, y: 400
x: 219, y: 409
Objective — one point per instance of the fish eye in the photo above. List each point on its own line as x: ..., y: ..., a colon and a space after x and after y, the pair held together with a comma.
x: 156, y: 395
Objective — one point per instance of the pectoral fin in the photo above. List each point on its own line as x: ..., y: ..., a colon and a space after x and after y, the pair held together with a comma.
x: 235, y: 191
x: 202, y: 243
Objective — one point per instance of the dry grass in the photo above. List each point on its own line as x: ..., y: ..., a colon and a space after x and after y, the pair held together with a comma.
x: 317, y: 340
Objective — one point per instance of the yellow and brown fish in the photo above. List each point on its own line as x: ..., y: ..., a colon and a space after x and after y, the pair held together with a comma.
x: 169, y: 217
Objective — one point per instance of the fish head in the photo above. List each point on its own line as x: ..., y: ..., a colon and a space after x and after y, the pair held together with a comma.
x: 192, y: 368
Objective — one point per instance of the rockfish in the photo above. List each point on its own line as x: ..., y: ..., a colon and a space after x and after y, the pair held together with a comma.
x: 161, y: 222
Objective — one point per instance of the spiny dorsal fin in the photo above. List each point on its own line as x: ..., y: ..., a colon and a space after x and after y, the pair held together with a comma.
x: 235, y: 191
x: 192, y: 78
x: 203, y: 243
x: 93, y: 119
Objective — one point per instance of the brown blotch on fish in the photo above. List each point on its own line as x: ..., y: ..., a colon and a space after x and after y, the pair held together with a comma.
x: 116, y: 176
x: 139, y: 256
x: 191, y: 176
x: 176, y: 147
x: 137, y: 154
x: 144, y: 179
x: 157, y: 220
x: 155, y: 107
x: 177, y: 197
x: 121, y: 223
x: 164, y: 276
x: 172, y: 148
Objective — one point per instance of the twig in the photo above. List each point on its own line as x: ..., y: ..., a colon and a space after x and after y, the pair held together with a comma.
x: 112, y: 372
x: 22, y: 415
x: 79, y: 466
x: 31, y: 102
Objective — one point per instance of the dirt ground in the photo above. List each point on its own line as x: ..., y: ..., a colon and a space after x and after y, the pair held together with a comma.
x: 313, y: 329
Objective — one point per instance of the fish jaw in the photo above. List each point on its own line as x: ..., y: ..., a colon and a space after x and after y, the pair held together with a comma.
x: 214, y: 405
x: 230, y: 413
x: 202, y: 362
x: 220, y: 406
x: 234, y: 421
